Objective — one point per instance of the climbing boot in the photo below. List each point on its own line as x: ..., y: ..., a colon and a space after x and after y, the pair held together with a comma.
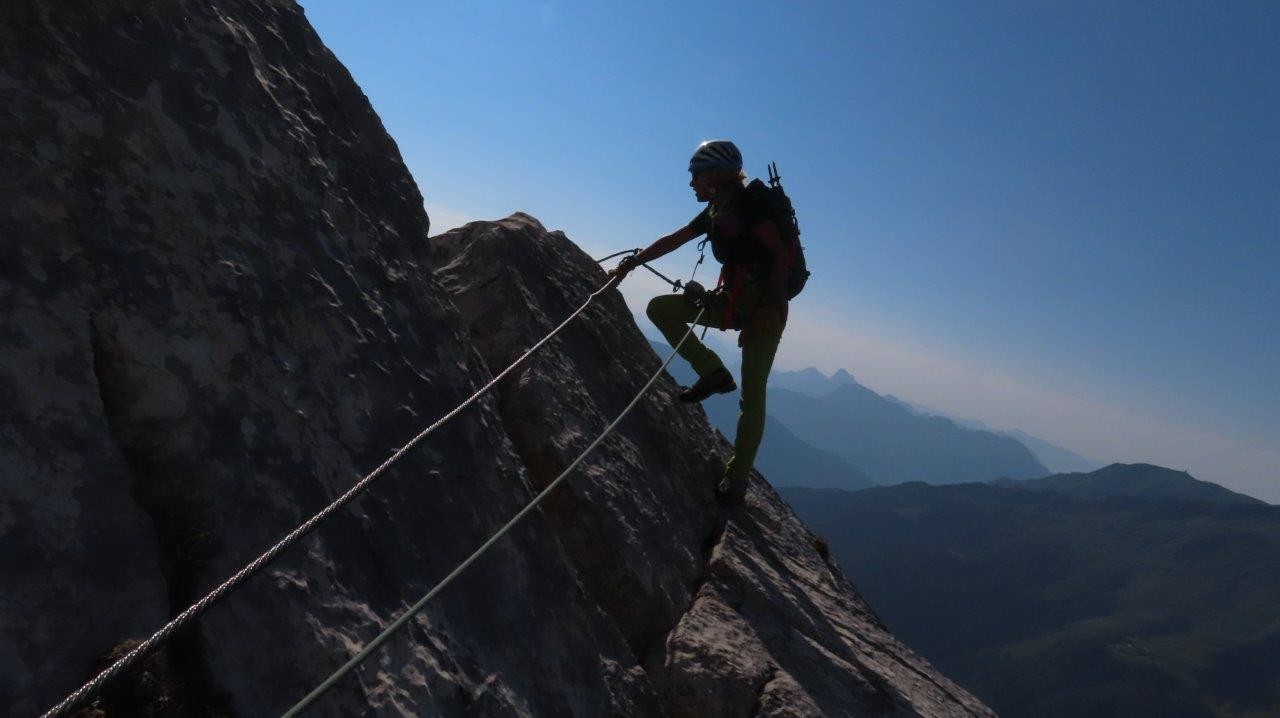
x: 731, y: 492
x: 719, y: 381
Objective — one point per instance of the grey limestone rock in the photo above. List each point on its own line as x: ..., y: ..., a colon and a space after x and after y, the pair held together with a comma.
x: 217, y: 314
x: 729, y: 613
x: 220, y: 308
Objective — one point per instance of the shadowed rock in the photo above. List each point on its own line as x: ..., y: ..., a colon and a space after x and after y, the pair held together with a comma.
x: 220, y: 309
x: 729, y: 617
x: 217, y: 314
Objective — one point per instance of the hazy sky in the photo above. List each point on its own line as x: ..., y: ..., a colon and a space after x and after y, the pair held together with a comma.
x: 1062, y: 217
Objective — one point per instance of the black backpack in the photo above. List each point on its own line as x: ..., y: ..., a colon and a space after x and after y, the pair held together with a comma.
x: 784, y: 216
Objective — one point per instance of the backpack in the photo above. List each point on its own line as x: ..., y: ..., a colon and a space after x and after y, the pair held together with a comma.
x: 784, y: 216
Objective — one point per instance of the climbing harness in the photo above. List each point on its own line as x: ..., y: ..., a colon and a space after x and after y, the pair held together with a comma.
x: 732, y: 279
x: 702, y: 254
x: 413, y: 610
x: 82, y: 694
x: 706, y: 296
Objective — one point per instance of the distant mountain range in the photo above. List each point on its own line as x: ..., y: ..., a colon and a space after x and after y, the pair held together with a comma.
x: 893, y: 445
x: 783, y: 456
x: 859, y: 438
x: 1129, y: 591
x: 1057, y: 459
x: 811, y: 382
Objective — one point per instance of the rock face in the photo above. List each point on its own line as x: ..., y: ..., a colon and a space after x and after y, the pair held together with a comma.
x: 727, y: 617
x: 220, y: 308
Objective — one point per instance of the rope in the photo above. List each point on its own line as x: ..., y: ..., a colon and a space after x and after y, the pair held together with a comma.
x: 415, y: 608
x: 602, y: 260
x: 82, y: 694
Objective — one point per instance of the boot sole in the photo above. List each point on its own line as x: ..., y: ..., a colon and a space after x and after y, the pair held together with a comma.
x: 696, y: 400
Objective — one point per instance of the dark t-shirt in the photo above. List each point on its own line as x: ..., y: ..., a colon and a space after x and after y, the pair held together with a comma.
x: 729, y: 228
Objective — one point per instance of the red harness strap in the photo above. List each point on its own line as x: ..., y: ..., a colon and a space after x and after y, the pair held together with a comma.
x: 739, y: 274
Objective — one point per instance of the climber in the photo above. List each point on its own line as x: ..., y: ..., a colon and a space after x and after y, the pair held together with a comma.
x: 742, y: 225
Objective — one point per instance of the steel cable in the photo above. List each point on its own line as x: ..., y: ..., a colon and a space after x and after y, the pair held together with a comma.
x: 82, y: 694
x: 422, y: 602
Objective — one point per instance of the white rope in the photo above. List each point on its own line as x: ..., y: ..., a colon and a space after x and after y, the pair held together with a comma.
x: 415, y: 608
x: 82, y: 694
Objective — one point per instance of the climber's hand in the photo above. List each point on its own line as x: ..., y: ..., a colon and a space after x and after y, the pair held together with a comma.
x: 624, y: 267
x: 695, y: 295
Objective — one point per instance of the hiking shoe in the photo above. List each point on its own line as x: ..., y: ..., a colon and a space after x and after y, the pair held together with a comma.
x: 731, y: 492
x: 719, y: 381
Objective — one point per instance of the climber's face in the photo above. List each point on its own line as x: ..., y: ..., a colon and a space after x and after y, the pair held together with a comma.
x: 702, y: 187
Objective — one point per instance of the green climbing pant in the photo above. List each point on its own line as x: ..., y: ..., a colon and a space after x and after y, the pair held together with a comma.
x: 672, y: 314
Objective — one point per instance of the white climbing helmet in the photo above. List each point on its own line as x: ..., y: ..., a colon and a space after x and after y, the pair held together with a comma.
x: 715, y: 154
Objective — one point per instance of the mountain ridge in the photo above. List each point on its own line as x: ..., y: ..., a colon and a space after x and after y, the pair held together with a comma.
x: 1059, y: 604
x: 1141, y: 481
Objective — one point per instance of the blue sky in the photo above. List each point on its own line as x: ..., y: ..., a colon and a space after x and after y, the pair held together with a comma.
x: 1062, y: 217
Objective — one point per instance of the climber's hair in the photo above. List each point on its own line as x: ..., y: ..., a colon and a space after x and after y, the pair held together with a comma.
x: 723, y: 178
